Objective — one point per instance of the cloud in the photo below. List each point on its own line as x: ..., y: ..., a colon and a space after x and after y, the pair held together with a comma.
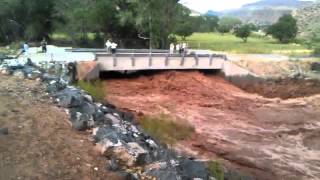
x: 217, y: 5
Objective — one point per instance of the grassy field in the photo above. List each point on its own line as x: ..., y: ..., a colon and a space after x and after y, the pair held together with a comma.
x: 256, y: 44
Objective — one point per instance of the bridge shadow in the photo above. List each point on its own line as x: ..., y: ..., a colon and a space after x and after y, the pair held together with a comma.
x: 136, y: 74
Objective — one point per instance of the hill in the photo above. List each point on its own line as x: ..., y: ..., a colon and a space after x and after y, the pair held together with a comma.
x: 307, y: 18
x: 277, y: 4
x: 265, y: 12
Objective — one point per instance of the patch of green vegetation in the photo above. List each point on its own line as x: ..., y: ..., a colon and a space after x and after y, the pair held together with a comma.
x: 165, y: 129
x: 97, y: 89
x: 216, y: 170
x: 257, y: 44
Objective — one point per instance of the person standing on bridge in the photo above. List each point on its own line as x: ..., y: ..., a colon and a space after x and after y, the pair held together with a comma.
x: 178, y: 47
x: 108, y: 46
x: 172, y: 48
x: 113, y: 47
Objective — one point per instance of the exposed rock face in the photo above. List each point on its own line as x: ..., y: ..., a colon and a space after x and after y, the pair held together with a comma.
x: 307, y: 17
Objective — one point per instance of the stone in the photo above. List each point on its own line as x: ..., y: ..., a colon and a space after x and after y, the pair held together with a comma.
x: 88, y: 98
x: 139, y: 153
x: 48, y: 78
x: 113, y: 119
x: 113, y: 165
x: 4, y: 131
x: 55, y: 86
x: 100, y: 119
x: 70, y: 98
x: 19, y: 74
x: 191, y: 169
x: 80, y: 125
x: 106, y: 133
x: 168, y: 173
x: 126, y: 175
x: 87, y: 108
x: 106, y: 110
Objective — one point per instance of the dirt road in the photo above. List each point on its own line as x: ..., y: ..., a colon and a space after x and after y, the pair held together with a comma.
x: 269, y: 138
x: 41, y: 143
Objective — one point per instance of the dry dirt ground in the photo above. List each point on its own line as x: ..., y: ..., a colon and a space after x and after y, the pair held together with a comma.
x: 41, y: 143
x: 273, y: 65
x: 268, y: 138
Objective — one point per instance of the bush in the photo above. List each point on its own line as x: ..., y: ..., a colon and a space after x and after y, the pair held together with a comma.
x: 216, y: 170
x: 243, y: 32
x: 285, y: 30
x: 97, y: 89
x: 164, y: 129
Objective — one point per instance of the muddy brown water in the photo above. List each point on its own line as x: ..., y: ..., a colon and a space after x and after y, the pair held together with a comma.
x: 284, y: 88
x: 245, y: 127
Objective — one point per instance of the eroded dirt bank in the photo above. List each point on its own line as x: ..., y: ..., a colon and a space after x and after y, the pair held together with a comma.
x: 269, y: 138
x: 41, y: 144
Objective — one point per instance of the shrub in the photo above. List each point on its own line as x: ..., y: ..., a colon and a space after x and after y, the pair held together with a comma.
x: 243, y: 32
x: 97, y: 89
x: 216, y: 170
x: 164, y: 129
x: 285, y: 30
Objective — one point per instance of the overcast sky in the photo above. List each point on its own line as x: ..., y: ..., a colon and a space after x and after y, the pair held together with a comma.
x: 217, y: 5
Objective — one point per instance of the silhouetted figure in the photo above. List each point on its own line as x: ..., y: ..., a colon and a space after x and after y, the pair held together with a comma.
x: 44, y: 45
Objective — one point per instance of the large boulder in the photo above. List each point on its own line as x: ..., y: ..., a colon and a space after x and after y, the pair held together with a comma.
x: 80, y: 121
x: 55, y: 86
x: 190, y: 169
x: 70, y: 98
x: 162, y: 171
x: 31, y: 72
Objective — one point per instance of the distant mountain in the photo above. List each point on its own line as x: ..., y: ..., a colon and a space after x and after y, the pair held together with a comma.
x: 213, y: 13
x: 264, y: 12
x: 278, y: 4
x: 307, y: 18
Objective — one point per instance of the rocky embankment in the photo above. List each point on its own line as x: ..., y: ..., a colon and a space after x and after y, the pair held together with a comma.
x: 130, y: 152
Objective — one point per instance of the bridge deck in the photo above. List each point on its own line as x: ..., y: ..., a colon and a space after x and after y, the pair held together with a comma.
x: 158, y: 61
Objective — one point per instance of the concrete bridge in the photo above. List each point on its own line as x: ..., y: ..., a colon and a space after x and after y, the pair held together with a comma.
x: 142, y: 59
x: 158, y: 61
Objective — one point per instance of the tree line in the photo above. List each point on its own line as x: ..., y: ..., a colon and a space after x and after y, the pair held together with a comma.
x: 129, y: 20
x: 131, y: 23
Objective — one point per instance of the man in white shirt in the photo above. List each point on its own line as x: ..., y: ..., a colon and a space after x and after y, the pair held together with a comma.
x: 108, y: 46
x: 113, y: 47
x: 172, y: 46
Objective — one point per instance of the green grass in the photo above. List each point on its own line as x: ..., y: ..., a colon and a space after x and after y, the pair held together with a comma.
x: 164, y: 129
x: 216, y: 170
x: 97, y: 89
x: 256, y: 44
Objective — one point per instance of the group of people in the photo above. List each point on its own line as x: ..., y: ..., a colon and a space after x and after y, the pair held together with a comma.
x: 25, y: 47
x: 111, y: 47
x: 182, y: 48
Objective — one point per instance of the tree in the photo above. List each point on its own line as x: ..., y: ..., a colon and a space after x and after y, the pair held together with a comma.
x: 285, y: 30
x: 223, y: 29
x: 31, y: 20
x: 243, y: 32
x: 184, y: 26
x: 314, y: 39
x: 226, y: 24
